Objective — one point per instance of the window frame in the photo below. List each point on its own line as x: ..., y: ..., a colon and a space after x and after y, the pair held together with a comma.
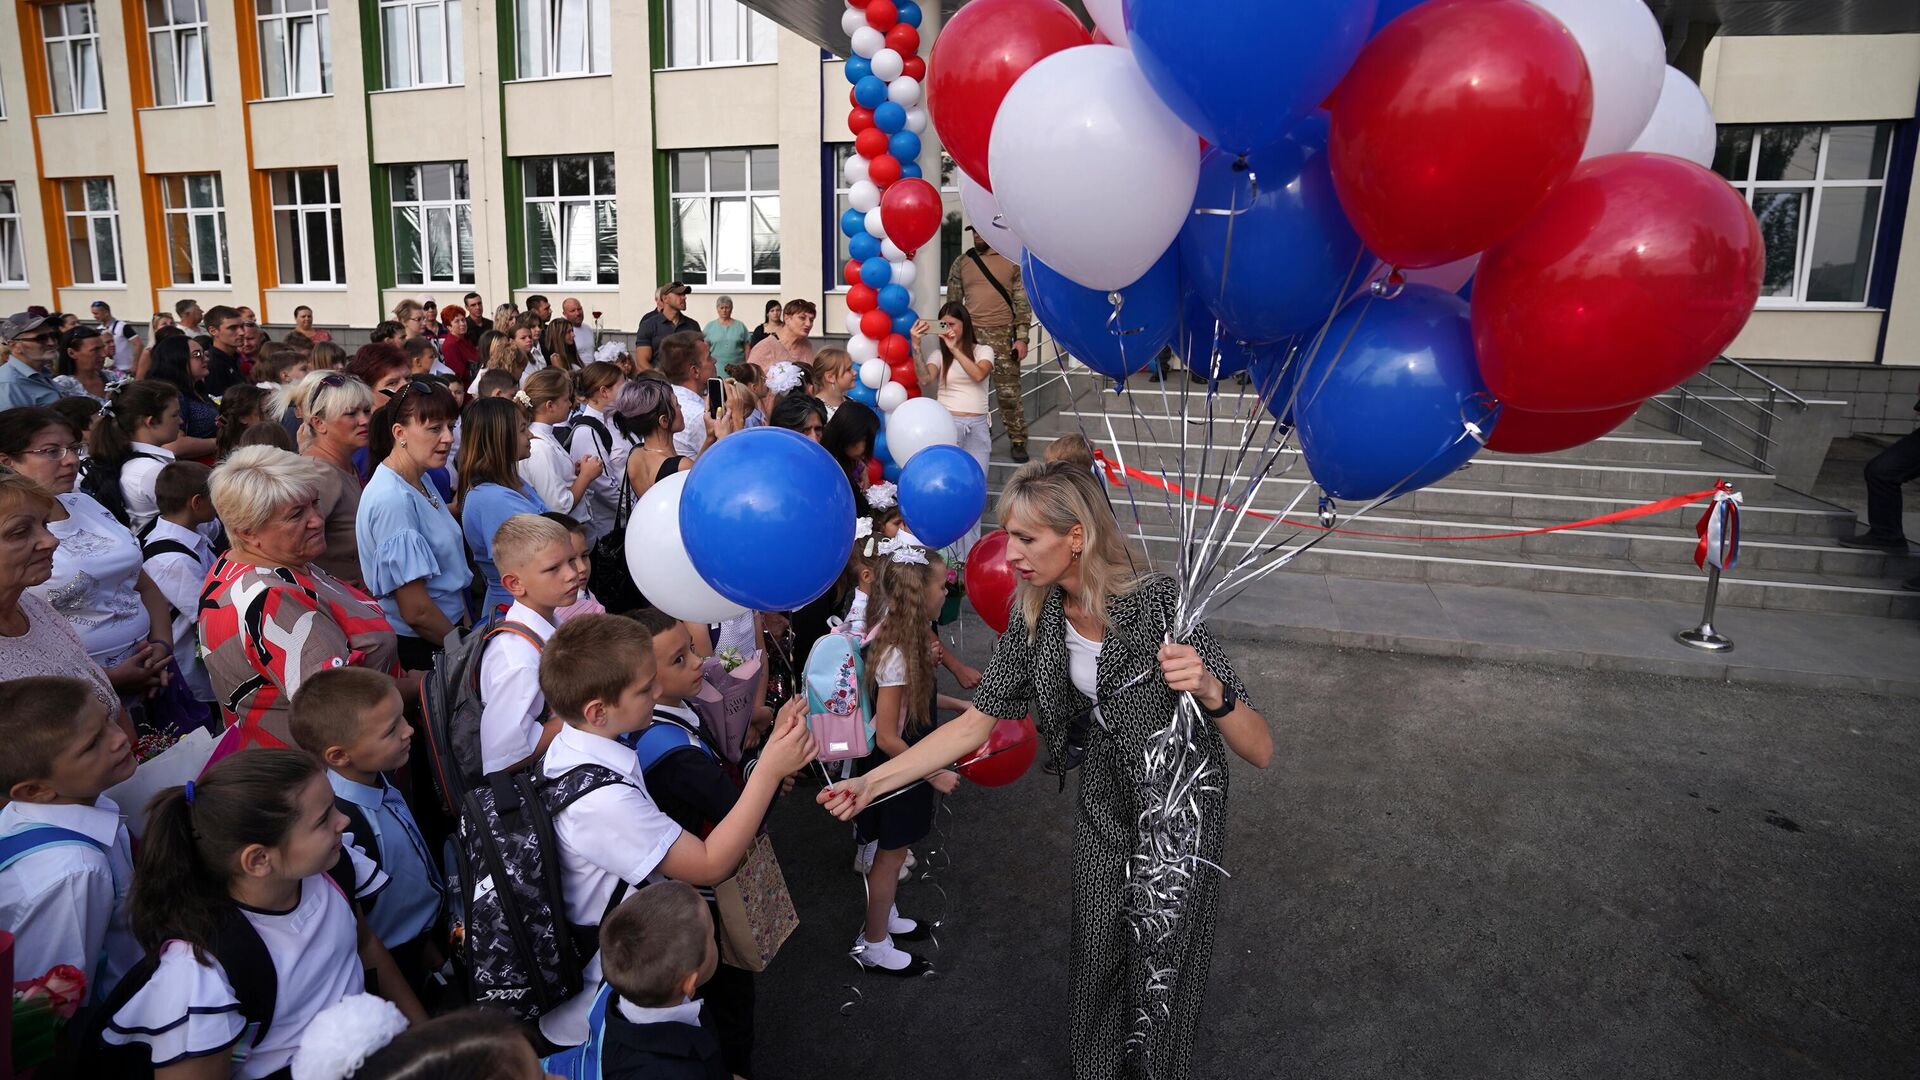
x: 68, y: 43
x: 531, y: 202
x: 1751, y: 186
x: 335, y: 237
x: 458, y: 205
x: 172, y: 33
x: 452, y: 44
x: 318, y: 14
x: 185, y: 217
x: 13, y: 239
x: 90, y: 215
x: 703, y: 36
x: 596, y: 44
x: 751, y: 195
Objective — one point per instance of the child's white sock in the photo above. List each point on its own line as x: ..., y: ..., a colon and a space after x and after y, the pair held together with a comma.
x: 863, y: 856
x: 880, y: 954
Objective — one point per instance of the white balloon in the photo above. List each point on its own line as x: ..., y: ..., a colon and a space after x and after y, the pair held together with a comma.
x: 852, y: 324
x: 874, y: 373
x: 657, y: 558
x: 855, y: 170
x: 891, y: 251
x: 1091, y: 170
x: 916, y: 120
x: 918, y: 424
x: 864, y: 195
x: 903, y: 273
x: 1627, y: 56
x: 888, y: 64
x: 875, y: 228
x: 868, y: 42
x: 983, y: 213
x: 1108, y: 17
x: 1681, y: 124
x: 851, y: 20
x: 904, y: 91
x: 862, y: 348
x: 891, y: 397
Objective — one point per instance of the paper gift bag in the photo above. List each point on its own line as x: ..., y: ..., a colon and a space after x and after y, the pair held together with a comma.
x: 756, y: 912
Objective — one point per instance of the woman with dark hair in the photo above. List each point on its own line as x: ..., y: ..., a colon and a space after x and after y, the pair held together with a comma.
x: 962, y: 368
x: 383, y: 367
x: 495, y: 438
x: 182, y: 361
x: 646, y: 412
x: 800, y: 412
x: 412, y: 555
x: 769, y: 324
x: 81, y: 367
x: 558, y: 346
x: 849, y: 438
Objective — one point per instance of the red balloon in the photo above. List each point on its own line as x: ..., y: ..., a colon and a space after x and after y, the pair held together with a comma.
x: 893, y: 347
x: 1521, y: 432
x: 876, y: 471
x: 871, y: 143
x: 882, y: 14
x: 1629, y: 281
x: 1100, y: 37
x: 914, y: 67
x: 990, y: 580
x: 1455, y: 124
x: 859, y: 120
x: 902, y: 39
x: 858, y: 3
x: 977, y: 55
x: 911, y: 212
x: 884, y: 169
x: 852, y: 273
x: 853, y: 98
x: 1007, y: 754
x: 902, y: 371
x: 862, y: 299
x: 876, y: 323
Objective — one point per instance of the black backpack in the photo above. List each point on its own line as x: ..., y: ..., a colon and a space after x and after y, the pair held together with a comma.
x: 101, y: 479
x: 563, y: 433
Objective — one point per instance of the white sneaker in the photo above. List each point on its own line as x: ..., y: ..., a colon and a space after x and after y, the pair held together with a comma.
x: 863, y: 857
x: 886, y: 958
x: 906, y: 868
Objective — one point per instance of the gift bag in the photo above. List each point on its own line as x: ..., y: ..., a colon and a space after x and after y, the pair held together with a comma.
x: 756, y: 912
x: 726, y: 702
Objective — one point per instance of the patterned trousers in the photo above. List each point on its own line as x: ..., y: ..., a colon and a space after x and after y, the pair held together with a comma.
x: 1006, y: 380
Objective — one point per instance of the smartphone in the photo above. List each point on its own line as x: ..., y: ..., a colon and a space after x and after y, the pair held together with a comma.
x: 716, y: 398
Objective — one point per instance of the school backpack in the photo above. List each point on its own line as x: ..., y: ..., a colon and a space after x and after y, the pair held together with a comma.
x: 451, y: 705
x: 563, y: 433
x: 101, y: 479
x: 522, y: 954
x: 838, y: 712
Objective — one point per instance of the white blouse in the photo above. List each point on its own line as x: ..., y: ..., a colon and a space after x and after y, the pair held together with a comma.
x: 1083, y: 664
x: 550, y: 472
x: 96, y: 579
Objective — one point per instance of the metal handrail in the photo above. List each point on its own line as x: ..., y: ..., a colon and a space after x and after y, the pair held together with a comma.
x: 1764, y: 417
x: 1800, y: 404
x: 1758, y: 459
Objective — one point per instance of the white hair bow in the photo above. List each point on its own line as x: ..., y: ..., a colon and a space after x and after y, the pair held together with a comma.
x: 900, y: 549
x: 882, y: 495
x: 784, y: 377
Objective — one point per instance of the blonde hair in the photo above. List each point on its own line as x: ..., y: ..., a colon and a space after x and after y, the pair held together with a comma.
x: 523, y: 536
x: 547, y: 384
x: 19, y: 493
x: 1072, y: 447
x: 310, y: 400
x: 1056, y: 496
x: 508, y: 357
x: 256, y: 481
x: 828, y: 363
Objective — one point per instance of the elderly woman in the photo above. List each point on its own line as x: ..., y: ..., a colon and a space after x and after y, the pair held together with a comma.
x: 726, y: 335
x: 338, y: 412
x: 270, y: 616
x: 34, y: 639
x: 455, y: 350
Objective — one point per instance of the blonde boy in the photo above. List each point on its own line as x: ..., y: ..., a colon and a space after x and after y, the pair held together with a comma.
x: 541, y: 571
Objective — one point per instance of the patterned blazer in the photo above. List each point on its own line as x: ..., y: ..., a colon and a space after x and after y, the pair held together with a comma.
x: 1030, y: 675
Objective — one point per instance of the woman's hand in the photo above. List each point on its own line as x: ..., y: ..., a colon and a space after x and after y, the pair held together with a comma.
x: 1187, y: 674
x: 944, y: 781
x: 920, y: 329
x: 846, y: 798
x: 143, y: 670
x: 590, y: 467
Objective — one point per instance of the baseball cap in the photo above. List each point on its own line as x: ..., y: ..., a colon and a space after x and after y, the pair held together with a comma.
x: 19, y: 325
x: 671, y: 287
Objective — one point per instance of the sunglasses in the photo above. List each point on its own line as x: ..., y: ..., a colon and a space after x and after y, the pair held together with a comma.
x: 418, y: 386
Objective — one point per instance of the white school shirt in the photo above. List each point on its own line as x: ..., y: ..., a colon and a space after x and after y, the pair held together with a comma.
x: 550, y: 472
x: 607, y: 836
x: 67, y: 904
x: 693, y: 434
x: 136, y: 483
x: 603, y: 495
x: 510, y: 693
x: 180, y: 578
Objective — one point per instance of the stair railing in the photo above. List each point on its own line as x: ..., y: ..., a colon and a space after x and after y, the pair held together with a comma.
x: 1751, y: 418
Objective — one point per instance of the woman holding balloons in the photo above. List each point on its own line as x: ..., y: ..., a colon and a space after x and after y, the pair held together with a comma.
x: 1087, y: 656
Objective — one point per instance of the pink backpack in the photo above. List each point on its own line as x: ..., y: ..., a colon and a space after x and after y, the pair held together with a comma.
x: 838, y: 712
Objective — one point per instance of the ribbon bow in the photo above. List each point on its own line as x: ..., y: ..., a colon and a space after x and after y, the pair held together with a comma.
x: 1719, y: 530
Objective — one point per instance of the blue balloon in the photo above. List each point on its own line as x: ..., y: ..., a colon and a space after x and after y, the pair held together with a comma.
x: 870, y: 92
x: 910, y: 170
x: 1203, y: 341
x: 1293, y: 252
x: 942, y: 492
x: 894, y: 299
x: 1248, y: 70
x: 1078, y: 317
x: 904, y: 146
x: 890, y: 474
x: 853, y: 223
x: 1384, y: 403
x: 858, y: 67
x: 767, y: 517
x: 880, y: 451
x: 1390, y: 10
x: 864, y: 246
x: 1274, y: 378
x: 903, y: 322
x: 890, y: 117
x: 876, y: 272
x: 909, y: 12
x: 864, y: 394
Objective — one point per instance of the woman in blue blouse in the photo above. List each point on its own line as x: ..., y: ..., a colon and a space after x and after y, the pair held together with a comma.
x: 411, y: 553
x: 495, y: 438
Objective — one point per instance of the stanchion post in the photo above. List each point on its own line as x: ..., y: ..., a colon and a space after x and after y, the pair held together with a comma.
x: 1704, y: 636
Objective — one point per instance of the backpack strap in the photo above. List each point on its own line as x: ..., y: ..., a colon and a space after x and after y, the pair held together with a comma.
x: 244, y: 958
x: 35, y: 837
x: 154, y: 548
x: 504, y: 626
x: 599, y: 429
x: 666, y: 734
x: 991, y: 280
x: 362, y: 829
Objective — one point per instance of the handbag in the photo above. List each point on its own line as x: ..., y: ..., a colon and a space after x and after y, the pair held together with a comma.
x: 756, y: 911
x: 608, y: 579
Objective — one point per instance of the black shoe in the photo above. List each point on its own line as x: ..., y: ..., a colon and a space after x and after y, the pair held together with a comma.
x: 1018, y: 452
x: 1156, y: 376
x: 1196, y: 376
x: 920, y: 932
x: 1870, y: 542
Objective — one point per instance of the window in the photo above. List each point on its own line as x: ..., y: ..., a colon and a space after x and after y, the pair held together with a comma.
x: 421, y: 41
x: 177, y: 46
x: 726, y: 216
x: 306, y: 227
x: 196, y: 229
x: 701, y: 32
x: 432, y: 224
x: 563, y: 37
x: 73, y: 56
x: 93, y: 231
x: 573, y: 227
x: 296, y: 59
x: 13, y: 254
x: 1816, y: 190
x: 952, y: 239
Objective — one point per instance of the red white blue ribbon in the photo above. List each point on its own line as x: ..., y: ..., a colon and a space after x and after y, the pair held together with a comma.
x: 1719, y: 530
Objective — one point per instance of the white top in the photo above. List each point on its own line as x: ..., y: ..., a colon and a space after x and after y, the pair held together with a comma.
x: 857, y: 613
x: 189, y: 1009
x: 607, y: 836
x: 510, y: 693
x: 583, y: 342
x: 550, y: 472
x: 126, y: 340
x: 687, y: 1012
x: 180, y: 578
x: 96, y: 579
x: 603, y: 495
x: 1083, y: 664
x: 960, y: 392
x: 67, y: 904
x: 136, y: 483
x: 738, y: 634
x: 693, y: 409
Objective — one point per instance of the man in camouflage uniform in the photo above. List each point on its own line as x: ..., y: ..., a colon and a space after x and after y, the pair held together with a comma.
x: 989, y: 285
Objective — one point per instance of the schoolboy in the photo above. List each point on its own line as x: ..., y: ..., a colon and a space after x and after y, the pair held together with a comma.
x: 657, y: 948
x: 539, y: 569
x: 177, y: 556
x: 353, y: 720
x: 68, y: 862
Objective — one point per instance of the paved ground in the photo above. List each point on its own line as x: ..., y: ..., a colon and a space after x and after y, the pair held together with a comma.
x: 1455, y: 868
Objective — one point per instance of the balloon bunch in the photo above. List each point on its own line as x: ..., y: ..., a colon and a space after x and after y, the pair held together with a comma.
x: 891, y: 210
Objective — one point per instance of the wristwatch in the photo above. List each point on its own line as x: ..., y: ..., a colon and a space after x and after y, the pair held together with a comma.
x: 1227, y: 702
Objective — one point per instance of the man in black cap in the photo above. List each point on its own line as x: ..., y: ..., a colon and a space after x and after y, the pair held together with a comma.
x: 669, y: 317
x: 32, y: 342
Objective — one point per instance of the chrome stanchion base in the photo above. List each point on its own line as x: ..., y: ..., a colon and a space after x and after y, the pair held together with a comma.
x: 1704, y: 637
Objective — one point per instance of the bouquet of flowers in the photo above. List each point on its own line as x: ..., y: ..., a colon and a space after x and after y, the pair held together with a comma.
x: 41, y: 1007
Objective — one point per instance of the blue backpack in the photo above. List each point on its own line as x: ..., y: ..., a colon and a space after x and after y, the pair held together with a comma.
x: 838, y: 712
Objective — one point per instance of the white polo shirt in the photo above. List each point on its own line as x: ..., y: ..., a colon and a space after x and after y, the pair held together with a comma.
x: 67, y: 904
x: 180, y: 578
x: 510, y: 696
x: 136, y: 483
